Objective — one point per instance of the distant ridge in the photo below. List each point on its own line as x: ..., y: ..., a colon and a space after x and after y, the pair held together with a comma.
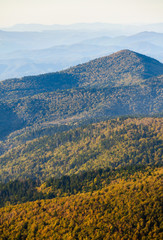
x: 129, y: 28
x: 32, y: 53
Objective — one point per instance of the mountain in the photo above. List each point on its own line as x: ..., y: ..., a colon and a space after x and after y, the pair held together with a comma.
x: 124, y: 83
x: 26, y: 62
x: 147, y: 36
x: 148, y: 43
x: 32, y: 53
x: 115, y: 29
x: 68, y: 173
x: 12, y: 41
x: 122, y: 68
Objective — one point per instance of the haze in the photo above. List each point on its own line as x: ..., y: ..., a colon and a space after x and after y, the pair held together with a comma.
x: 73, y: 11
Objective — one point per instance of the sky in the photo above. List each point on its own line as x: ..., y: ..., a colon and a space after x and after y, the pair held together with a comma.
x: 50, y: 12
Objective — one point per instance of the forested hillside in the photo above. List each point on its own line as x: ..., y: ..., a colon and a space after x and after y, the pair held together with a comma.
x: 113, y: 143
x: 124, y: 83
x: 73, y: 164
x: 98, y: 181
x: 121, y: 68
x: 81, y: 120
x: 128, y: 207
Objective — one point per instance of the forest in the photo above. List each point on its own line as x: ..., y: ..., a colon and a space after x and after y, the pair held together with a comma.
x: 123, y: 83
x: 109, y: 144
x: 128, y: 206
x: 20, y: 191
x: 81, y: 152
x: 98, y: 181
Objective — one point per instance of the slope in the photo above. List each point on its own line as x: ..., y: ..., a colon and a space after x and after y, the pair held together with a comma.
x: 78, y: 104
x: 128, y: 208
x: 122, y: 68
x: 110, y: 86
x: 113, y: 143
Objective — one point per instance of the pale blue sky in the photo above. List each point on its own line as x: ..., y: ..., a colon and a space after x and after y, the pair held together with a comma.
x: 75, y: 11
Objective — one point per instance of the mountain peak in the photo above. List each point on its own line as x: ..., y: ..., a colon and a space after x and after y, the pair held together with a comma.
x: 124, y: 51
x: 127, y: 52
x: 124, y: 67
x: 122, y: 83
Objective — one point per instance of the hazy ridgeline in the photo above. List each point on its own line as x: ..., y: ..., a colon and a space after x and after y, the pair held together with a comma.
x: 35, y: 49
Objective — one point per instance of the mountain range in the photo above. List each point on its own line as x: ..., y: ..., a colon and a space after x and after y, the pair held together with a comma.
x: 32, y: 53
x: 124, y: 83
x: 112, y: 28
x: 81, y: 151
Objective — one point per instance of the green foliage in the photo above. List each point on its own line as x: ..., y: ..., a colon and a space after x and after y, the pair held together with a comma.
x: 20, y: 191
x: 114, y: 143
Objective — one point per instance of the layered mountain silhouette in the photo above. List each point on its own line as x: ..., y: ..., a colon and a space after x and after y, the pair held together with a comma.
x: 33, y: 53
x: 124, y: 83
